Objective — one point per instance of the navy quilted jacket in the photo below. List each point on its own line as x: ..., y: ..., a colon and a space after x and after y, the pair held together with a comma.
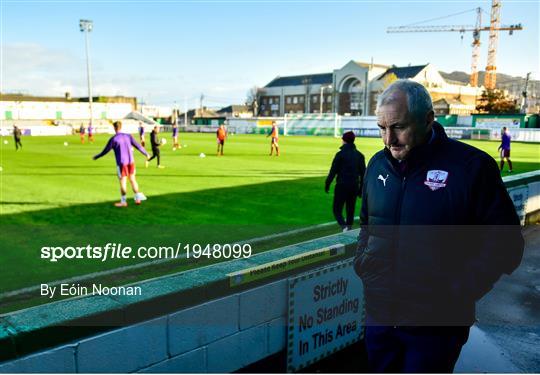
x: 436, y: 233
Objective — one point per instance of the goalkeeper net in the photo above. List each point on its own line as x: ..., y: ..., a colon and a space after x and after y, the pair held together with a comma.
x: 312, y: 124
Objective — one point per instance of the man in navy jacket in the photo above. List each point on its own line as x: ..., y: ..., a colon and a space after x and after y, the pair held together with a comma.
x: 349, y: 166
x: 438, y: 229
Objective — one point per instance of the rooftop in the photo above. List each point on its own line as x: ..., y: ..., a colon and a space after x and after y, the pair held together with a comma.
x: 313, y: 79
x: 404, y: 72
x: 367, y: 65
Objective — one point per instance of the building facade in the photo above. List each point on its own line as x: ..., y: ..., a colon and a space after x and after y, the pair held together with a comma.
x: 25, y: 107
x: 353, y: 90
x: 236, y: 111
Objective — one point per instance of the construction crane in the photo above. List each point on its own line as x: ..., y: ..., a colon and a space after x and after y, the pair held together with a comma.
x: 524, y: 101
x: 490, y: 78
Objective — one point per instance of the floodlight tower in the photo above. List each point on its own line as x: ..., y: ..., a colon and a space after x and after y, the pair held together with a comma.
x: 86, y: 27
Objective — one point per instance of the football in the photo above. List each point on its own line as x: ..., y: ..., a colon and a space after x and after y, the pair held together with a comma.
x: 163, y: 141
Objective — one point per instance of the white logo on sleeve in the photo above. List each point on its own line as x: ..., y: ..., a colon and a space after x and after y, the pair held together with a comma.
x: 383, y: 179
x: 436, y: 179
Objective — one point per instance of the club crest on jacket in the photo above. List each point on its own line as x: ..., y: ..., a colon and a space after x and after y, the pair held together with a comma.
x: 436, y: 179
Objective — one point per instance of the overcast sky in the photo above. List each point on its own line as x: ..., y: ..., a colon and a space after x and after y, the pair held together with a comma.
x: 165, y: 51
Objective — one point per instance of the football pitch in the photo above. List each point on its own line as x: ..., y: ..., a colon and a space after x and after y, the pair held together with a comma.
x: 56, y: 195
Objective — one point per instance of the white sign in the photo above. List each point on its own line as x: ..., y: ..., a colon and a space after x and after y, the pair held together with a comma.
x: 519, y: 196
x: 497, y: 123
x: 326, y: 314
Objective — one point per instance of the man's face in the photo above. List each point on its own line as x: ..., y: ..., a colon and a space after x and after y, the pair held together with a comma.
x: 399, y: 131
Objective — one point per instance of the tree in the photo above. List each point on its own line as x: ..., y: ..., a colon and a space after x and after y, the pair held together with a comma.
x: 495, y: 102
x: 388, y: 79
x: 252, y: 99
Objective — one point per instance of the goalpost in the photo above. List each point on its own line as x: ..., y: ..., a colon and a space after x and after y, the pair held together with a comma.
x: 312, y: 124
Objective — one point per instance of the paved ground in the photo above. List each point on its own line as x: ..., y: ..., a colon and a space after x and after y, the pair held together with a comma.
x: 507, y: 335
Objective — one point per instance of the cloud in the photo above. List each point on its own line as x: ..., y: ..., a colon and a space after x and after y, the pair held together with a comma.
x: 39, y: 70
x: 22, y: 57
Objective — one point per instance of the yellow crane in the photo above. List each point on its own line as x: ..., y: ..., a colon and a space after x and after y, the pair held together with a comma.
x: 494, y: 27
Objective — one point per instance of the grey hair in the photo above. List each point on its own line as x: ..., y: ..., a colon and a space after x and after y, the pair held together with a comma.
x: 418, y: 99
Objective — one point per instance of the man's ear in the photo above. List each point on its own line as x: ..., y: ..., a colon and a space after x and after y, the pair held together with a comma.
x: 430, y: 117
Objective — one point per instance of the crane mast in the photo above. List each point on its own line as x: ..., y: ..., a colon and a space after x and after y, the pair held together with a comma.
x: 524, y: 101
x: 476, y: 48
x: 490, y: 79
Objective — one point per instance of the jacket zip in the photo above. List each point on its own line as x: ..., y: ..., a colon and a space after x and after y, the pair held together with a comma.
x: 397, y: 221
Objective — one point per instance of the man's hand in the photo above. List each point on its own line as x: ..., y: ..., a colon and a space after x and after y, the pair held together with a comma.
x: 326, y: 189
x: 357, y: 265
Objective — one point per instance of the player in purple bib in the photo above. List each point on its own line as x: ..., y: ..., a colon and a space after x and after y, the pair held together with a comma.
x: 504, y: 149
x: 81, y: 133
x: 90, y: 133
x: 122, y: 144
x: 176, y: 146
x: 141, y: 134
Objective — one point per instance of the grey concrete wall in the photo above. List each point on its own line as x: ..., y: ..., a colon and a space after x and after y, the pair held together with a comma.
x: 222, y: 335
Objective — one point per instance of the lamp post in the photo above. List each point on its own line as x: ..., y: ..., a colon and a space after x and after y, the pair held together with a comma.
x: 185, y: 110
x: 322, y: 97
x: 86, y: 26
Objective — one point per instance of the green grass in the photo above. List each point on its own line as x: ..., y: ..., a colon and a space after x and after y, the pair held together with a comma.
x: 56, y: 195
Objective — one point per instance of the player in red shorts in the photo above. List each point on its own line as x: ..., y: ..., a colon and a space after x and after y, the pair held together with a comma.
x: 141, y: 134
x: 122, y: 144
x: 221, y: 135
x: 81, y: 132
x: 176, y: 145
x: 274, y: 133
x: 90, y: 133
